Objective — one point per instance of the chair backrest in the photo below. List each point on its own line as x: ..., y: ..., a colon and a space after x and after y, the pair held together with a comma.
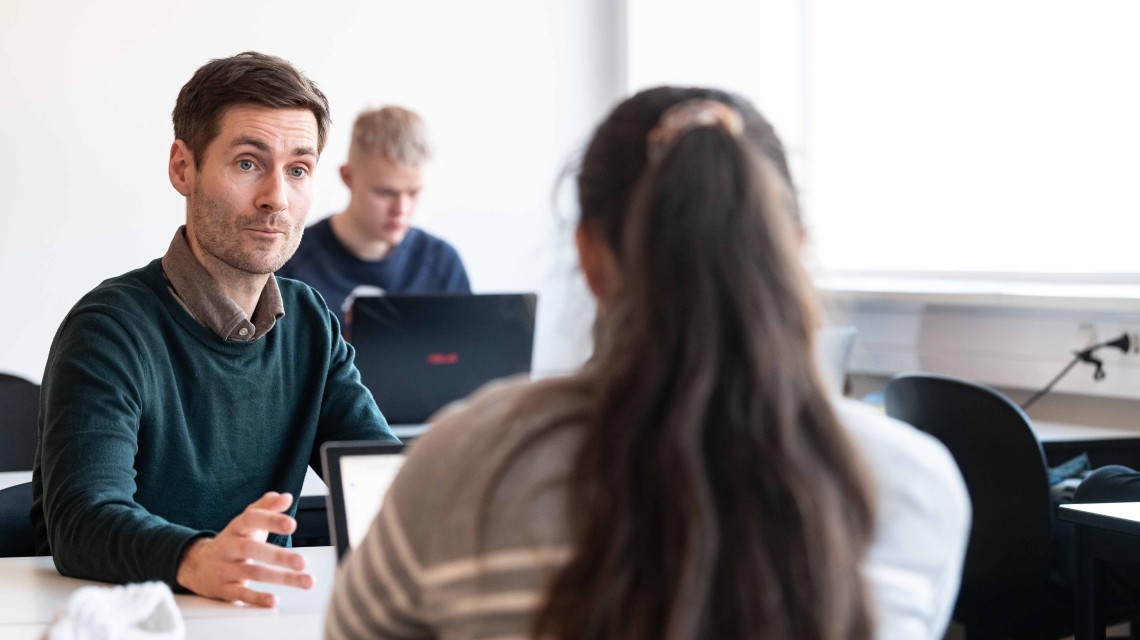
x: 1002, y: 462
x: 17, y: 534
x: 19, y: 411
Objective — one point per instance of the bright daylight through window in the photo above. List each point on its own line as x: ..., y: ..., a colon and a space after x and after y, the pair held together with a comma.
x: 925, y: 137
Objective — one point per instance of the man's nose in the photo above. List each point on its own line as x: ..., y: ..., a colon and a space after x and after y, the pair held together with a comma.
x: 272, y: 197
x: 403, y: 205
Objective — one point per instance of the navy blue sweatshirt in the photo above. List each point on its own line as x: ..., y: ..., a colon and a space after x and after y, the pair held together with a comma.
x: 422, y: 263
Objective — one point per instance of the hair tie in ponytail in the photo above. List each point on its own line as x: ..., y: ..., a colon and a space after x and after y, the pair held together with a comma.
x: 686, y: 116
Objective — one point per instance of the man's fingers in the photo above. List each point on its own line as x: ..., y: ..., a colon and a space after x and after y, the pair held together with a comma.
x: 273, y: 501
x: 275, y: 555
x: 267, y: 574
x: 233, y: 592
x: 252, y: 520
x: 244, y: 549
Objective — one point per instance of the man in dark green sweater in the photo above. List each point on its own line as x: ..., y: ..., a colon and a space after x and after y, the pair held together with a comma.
x: 182, y: 401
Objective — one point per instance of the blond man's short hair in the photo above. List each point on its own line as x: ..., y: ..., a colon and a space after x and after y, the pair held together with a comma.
x: 393, y: 132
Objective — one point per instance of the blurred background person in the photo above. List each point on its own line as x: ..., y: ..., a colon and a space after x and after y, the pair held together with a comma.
x: 371, y: 248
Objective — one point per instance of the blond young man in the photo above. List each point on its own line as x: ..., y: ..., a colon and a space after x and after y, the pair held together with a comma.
x: 371, y: 245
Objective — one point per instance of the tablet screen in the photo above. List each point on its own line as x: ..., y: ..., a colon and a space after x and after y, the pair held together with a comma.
x: 365, y: 480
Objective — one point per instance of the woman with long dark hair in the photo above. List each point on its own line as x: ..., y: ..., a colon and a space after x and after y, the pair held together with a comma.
x: 694, y: 480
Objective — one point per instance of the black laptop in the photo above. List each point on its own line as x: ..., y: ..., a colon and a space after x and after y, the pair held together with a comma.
x: 417, y: 353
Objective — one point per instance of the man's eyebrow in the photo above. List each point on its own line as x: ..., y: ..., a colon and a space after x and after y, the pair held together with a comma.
x: 253, y: 142
x: 263, y: 147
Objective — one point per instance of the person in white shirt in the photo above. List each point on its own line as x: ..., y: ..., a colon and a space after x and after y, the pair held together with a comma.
x: 695, y: 479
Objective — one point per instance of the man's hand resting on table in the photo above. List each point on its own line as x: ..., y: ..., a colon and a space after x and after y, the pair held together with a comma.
x: 221, y: 567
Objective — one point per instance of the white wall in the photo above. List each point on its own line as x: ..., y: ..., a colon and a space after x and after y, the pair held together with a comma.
x: 509, y: 88
x: 751, y: 48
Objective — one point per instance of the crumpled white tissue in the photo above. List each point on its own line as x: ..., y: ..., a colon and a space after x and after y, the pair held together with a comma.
x: 132, y: 612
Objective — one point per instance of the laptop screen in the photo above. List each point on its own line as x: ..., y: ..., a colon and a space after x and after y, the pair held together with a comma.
x: 365, y: 480
x: 417, y: 353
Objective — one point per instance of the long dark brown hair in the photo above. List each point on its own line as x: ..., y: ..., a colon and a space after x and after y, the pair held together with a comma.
x: 715, y: 494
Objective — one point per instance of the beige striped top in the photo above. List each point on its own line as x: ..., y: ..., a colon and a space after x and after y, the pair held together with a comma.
x: 421, y: 572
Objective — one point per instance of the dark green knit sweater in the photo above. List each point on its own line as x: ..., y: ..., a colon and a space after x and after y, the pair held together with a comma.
x: 153, y: 430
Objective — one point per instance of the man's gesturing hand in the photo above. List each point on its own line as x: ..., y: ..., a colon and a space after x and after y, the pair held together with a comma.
x: 221, y: 567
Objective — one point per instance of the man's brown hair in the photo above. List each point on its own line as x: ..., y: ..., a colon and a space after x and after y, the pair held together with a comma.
x: 247, y: 78
x: 393, y: 132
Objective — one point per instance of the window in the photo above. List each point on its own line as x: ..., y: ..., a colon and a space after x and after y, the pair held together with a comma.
x: 937, y: 138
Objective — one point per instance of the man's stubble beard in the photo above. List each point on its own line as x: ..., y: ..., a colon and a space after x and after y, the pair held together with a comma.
x: 218, y: 232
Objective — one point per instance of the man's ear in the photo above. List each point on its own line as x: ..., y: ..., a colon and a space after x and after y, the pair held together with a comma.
x: 181, y: 168
x: 599, y: 264
x: 346, y: 175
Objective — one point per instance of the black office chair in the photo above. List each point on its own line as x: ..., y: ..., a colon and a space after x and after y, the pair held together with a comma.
x: 17, y: 535
x: 19, y: 410
x: 1005, y: 591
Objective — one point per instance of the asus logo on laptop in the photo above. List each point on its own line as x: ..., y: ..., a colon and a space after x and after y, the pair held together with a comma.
x: 443, y: 358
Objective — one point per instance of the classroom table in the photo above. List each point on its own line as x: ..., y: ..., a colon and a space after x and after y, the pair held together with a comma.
x: 13, y: 478
x: 31, y: 591
x: 1049, y: 432
x: 1104, y: 533
x: 313, y: 486
x: 312, y: 520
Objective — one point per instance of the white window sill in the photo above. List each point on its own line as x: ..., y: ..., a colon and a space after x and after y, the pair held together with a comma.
x: 1113, y: 293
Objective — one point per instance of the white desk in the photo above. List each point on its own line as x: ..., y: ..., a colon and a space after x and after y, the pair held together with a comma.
x: 1105, y: 534
x: 404, y: 431
x: 31, y: 591
x: 1046, y: 432
x: 13, y: 478
x: 1060, y: 432
x: 313, y: 486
